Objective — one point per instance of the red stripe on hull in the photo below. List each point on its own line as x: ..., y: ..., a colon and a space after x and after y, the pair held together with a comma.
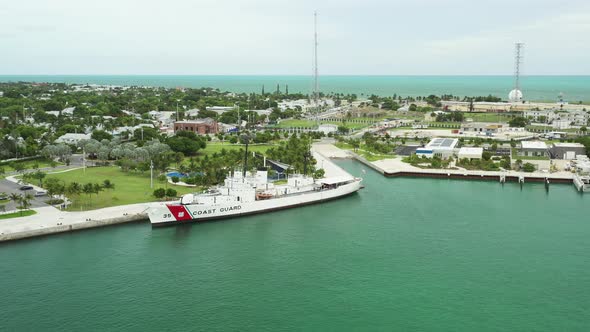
x: 179, y: 212
x: 204, y: 219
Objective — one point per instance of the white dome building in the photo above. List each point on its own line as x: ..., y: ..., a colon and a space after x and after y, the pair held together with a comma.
x: 515, y: 95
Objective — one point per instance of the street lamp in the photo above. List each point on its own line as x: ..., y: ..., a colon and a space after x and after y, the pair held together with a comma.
x: 151, y: 174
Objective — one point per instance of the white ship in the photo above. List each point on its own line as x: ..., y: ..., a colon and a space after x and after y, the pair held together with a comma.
x: 251, y: 193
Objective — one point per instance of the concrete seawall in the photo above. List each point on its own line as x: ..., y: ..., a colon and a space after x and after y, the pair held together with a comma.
x: 63, y: 228
x: 49, y: 220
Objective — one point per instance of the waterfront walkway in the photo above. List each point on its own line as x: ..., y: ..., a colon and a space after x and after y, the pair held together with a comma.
x: 50, y: 220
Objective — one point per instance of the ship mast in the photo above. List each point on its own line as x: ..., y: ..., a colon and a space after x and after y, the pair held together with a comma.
x: 316, y: 86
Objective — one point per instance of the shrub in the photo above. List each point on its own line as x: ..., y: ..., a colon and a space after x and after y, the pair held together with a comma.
x: 528, y: 167
x: 160, y: 193
x: 175, y: 179
x: 171, y: 192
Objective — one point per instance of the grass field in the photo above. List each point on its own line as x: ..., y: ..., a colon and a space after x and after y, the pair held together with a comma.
x: 17, y: 214
x: 213, y: 148
x: 29, y: 164
x: 488, y: 117
x: 130, y: 187
x: 369, y: 156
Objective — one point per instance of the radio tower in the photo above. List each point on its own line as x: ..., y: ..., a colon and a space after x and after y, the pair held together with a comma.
x: 316, y: 85
x: 516, y: 94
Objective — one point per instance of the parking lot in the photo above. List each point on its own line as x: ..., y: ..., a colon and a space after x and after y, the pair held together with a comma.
x: 10, y: 187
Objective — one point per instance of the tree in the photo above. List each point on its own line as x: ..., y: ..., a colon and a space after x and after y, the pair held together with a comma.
x: 518, y: 121
x: 74, y: 189
x: 15, y: 198
x: 486, y: 155
x: 99, y: 135
x: 107, y: 184
x: 39, y: 176
x: 320, y: 173
x: 159, y: 193
x: 175, y: 179
x: 54, y: 187
x: 96, y: 188
x: 171, y: 193
x: 88, y: 189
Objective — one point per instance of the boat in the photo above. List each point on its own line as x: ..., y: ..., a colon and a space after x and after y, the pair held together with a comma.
x: 582, y: 182
x: 246, y: 193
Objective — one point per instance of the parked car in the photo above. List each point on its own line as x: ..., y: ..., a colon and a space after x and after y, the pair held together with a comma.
x: 40, y: 193
x: 26, y: 188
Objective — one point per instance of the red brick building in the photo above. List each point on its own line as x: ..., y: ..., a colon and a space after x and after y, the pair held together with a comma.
x: 201, y: 127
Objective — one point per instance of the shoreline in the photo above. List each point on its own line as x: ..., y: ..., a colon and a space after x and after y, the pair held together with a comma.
x: 50, y: 220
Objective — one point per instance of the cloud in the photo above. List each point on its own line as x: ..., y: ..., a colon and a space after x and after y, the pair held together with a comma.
x: 275, y: 37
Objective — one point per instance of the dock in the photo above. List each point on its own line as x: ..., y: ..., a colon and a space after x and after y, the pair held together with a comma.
x: 395, y: 167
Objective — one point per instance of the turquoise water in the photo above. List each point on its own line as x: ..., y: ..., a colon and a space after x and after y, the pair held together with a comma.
x: 546, y: 88
x: 403, y: 254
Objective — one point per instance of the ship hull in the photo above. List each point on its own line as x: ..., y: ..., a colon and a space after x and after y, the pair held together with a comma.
x: 176, y: 214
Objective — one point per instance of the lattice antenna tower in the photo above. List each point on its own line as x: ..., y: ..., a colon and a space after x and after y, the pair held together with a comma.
x: 518, y: 56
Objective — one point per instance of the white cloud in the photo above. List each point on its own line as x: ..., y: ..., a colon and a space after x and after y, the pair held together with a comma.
x: 275, y: 37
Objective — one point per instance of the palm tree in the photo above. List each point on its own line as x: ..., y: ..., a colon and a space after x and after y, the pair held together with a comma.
x: 14, y: 197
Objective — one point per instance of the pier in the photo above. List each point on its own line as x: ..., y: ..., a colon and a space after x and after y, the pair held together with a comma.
x: 394, y: 167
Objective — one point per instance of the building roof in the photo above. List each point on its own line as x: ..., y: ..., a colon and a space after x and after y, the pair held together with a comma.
x: 470, y: 151
x: 568, y: 145
x: 533, y: 145
x: 448, y: 143
x: 200, y: 121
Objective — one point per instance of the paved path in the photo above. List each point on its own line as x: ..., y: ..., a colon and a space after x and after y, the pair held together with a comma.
x: 49, y: 220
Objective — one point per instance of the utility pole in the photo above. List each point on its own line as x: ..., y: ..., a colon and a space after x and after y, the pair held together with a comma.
x: 239, y: 119
x: 316, y: 86
x: 151, y: 174
x: 84, y: 159
x: 177, y: 100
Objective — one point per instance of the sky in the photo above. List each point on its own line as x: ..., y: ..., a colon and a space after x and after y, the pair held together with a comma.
x: 275, y: 37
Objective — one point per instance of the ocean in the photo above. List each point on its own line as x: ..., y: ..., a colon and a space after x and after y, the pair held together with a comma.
x: 536, y: 88
x: 403, y: 254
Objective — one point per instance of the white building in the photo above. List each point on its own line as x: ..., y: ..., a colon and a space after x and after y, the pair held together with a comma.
x: 439, y: 147
x: 533, y: 149
x: 328, y: 128
x: 192, y: 113
x: 71, y: 138
x: 219, y: 109
x: 559, y: 119
x: 470, y: 153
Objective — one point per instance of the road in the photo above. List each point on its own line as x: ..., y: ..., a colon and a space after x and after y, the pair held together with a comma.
x: 10, y: 188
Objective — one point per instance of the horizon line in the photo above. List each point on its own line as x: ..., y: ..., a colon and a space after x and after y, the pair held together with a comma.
x: 299, y: 75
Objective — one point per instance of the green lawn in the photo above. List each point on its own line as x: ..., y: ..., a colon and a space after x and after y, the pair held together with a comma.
x: 17, y: 214
x: 29, y: 164
x: 369, y: 156
x: 217, y: 147
x: 130, y: 187
x: 488, y: 117
x: 296, y: 123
